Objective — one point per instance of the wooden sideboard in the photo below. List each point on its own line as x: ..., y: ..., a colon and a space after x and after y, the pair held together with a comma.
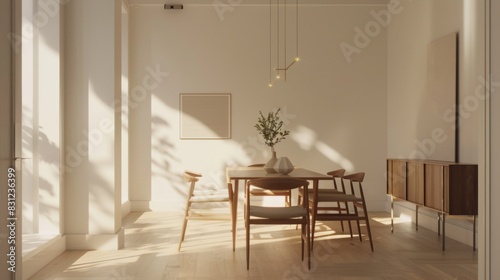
x: 449, y: 188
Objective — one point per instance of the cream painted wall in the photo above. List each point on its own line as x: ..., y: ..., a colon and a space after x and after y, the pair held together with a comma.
x: 46, y: 126
x: 494, y: 192
x: 6, y: 145
x: 420, y: 23
x: 335, y: 109
x: 93, y: 124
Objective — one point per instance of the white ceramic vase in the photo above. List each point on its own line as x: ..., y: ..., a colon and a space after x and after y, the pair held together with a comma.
x: 269, y: 166
x: 283, y: 166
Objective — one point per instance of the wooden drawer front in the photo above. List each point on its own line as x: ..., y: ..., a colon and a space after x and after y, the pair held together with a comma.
x: 434, y: 188
x: 415, y: 182
x: 396, y: 181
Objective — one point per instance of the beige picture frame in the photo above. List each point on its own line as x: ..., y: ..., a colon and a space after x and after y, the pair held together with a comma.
x: 205, y: 115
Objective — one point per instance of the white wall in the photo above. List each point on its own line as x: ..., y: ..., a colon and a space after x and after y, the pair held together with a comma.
x: 45, y: 129
x: 41, y: 134
x: 93, y: 124
x: 6, y: 145
x: 420, y: 23
x: 124, y: 113
x: 335, y: 110
x: 494, y: 192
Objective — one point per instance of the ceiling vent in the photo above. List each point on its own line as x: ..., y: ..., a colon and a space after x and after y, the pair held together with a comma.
x: 173, y: 7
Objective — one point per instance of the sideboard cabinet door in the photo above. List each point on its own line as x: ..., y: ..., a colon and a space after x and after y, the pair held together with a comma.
x: 462, y: 190
x: 415, y: 182
x: 396, y: 178
x: 434, y: 186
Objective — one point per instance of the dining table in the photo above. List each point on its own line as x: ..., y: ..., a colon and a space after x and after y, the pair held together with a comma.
x: 244, y: 173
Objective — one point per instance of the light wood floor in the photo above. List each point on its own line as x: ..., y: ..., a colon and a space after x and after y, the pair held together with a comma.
x: 151, y: 240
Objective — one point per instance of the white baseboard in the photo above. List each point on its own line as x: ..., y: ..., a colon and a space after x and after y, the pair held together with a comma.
x: 459, y: 228
x: 41, y: 256
x: 95, y: 241
x: 140, y: 206
x: 159, y: 206
x: 126, y: 208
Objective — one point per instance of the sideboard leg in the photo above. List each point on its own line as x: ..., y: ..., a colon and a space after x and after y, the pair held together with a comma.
x: 392, y: 214
x: 444, y: 223
x: 474, y: 233
x: 439, y: 224
x: 416, y: 217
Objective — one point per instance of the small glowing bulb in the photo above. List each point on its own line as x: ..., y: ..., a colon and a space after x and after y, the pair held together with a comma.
x: 278, y: 76
x: 270, y: 85
x: 297, y: 58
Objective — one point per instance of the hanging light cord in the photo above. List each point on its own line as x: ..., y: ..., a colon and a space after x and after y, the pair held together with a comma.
x: 297, y: 27
x: 278, y: 36
x: 285, y: 66
x: 284, y: 41
x: 270, y: 46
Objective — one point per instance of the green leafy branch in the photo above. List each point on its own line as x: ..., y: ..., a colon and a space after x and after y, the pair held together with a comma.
x: 271, y: 128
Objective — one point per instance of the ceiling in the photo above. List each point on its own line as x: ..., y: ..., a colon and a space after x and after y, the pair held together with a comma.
x: 255, y: 2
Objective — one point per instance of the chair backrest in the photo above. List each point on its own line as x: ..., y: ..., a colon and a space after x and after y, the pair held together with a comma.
x: 191, y: 174
x: 358, y: 178
x: 278, y: 183
x: 355, y: 177
x: 337, y: 174
x: 191, y: 178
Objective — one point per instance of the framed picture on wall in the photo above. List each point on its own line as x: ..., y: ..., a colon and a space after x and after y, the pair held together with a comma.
x: 205, y: 115
x: 437, y: 128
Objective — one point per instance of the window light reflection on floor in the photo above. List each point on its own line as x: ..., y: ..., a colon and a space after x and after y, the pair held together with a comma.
x: 402, y: 219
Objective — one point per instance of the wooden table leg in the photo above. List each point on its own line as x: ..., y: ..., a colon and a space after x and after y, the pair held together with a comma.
x: 235, y: 212
x: 314, y: 207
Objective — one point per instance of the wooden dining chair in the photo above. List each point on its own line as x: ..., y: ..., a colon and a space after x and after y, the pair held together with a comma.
x: 336, y: 187
x: 354, y: 202
x: 287, y: 194
x: 298, y: 214
x: 209, y: 197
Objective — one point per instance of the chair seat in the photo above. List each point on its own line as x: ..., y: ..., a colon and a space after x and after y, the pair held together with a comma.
x: 326, y: 191
x: 336, y: 197
x: 268, y: 192
x: 310, y: 191
x: 277, y: 212
x: 210, y: 198
x: 210, y: 192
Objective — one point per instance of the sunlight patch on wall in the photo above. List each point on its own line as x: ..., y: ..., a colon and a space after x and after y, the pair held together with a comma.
x: 307, y: 140
x: 305, y: 137
x: 171, y: 156
x: 335, y: 156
